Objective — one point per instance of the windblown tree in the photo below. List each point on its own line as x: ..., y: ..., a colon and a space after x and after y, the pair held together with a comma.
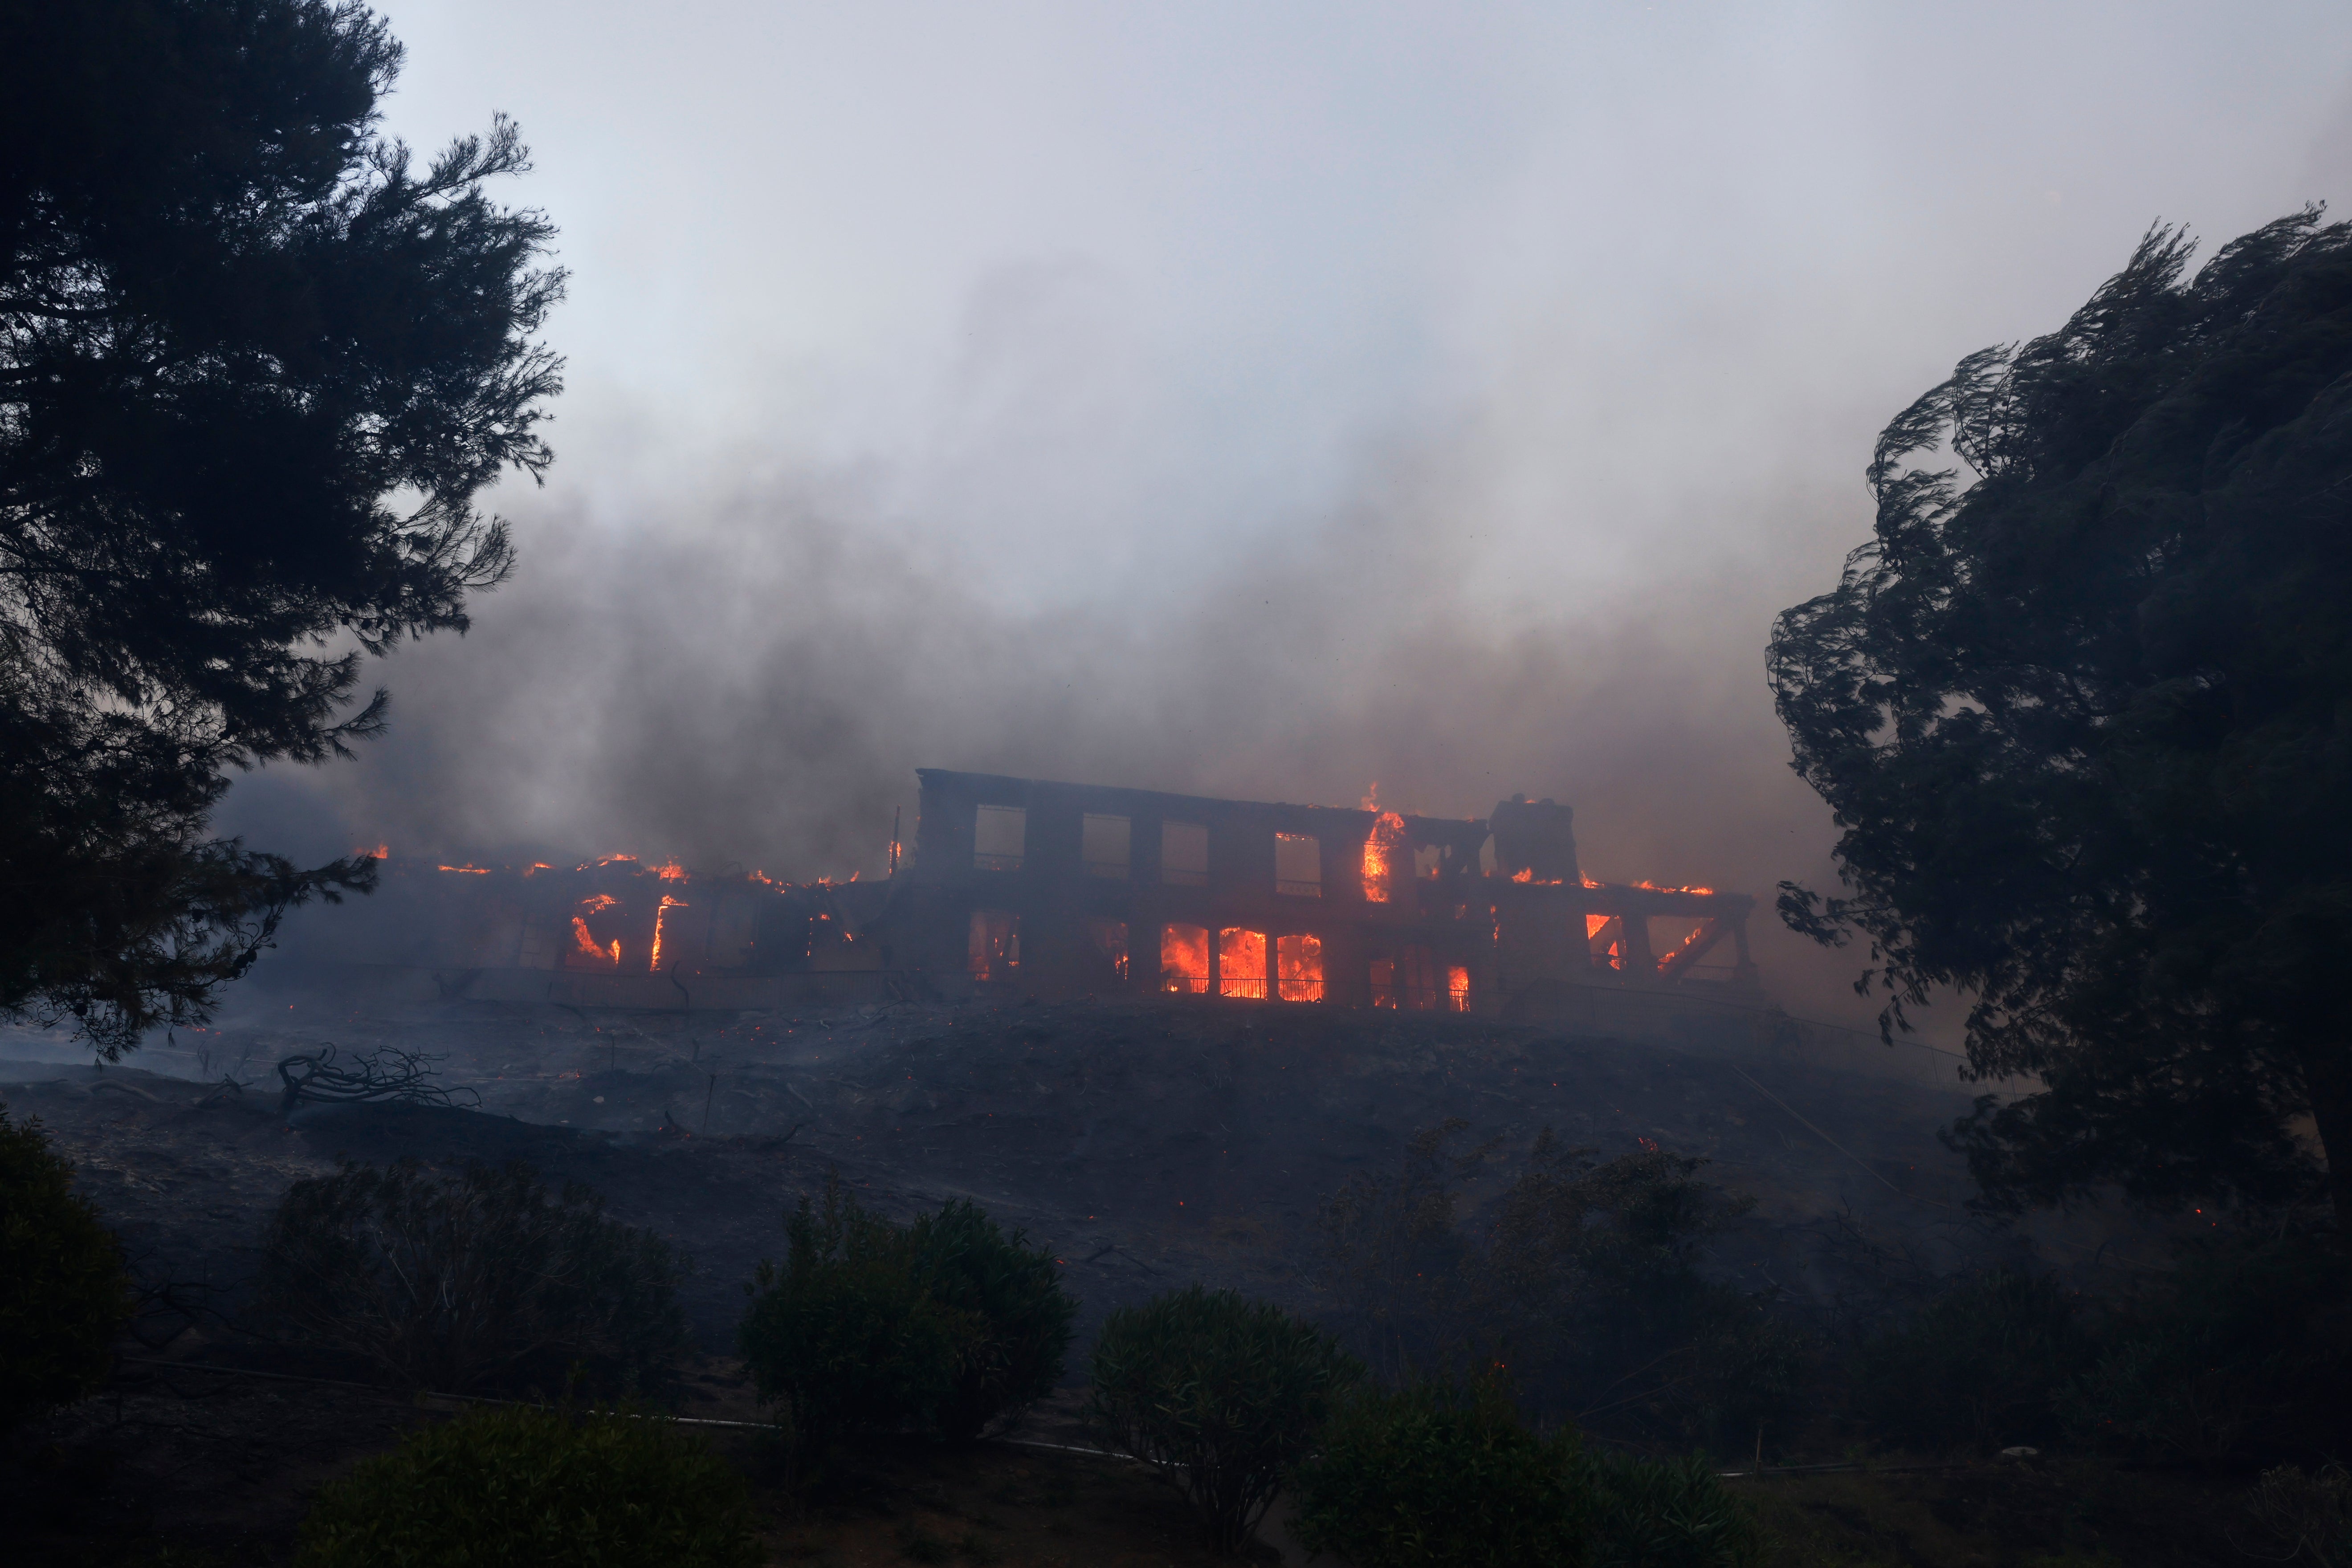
x: 2086, y: 721
x: 254, y: 367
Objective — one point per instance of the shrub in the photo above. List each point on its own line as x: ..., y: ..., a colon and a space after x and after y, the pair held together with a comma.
x: 64, y: 1294
x: 2305, y: 1516
x: 2244, y: 1353
x: 1219, y: 1396
x: 847, y: 1335
x: 1665, y: 1514
x: 521, y: 1487
x: 1583, y: 1276
x: 946, y: 1324
x: 454, y: 1282
x: 1979, y: 1365
x: 1012, y: 1314
x: 1438, y: 1474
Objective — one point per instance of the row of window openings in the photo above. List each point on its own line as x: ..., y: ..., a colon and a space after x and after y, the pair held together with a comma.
x: 1105, y: 845
x: 1411, y: 981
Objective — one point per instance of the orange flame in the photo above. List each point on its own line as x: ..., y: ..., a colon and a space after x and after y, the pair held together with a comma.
x: 588, y: 943
x: 381, y: 852
x: 1525, y: 874
x: 1388, y: 832
x: 468, y: 871
x: 1241, y: 963
x: 669, y: 871
x: 1298, y: 967
x: 660, y: 915
x: 1183, y: 958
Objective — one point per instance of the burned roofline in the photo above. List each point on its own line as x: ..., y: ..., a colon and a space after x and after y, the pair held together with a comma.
x: 1002, y: 789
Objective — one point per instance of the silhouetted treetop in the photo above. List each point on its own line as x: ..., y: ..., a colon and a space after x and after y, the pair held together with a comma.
x: 256, y: 366
x: 2086, y: 720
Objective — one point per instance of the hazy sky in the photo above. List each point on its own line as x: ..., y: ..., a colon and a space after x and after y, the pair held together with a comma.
x: 1262, y: 399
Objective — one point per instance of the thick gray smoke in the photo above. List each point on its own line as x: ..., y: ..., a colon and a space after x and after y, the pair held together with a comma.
x: 755, y: 684
x: 1262, y: 402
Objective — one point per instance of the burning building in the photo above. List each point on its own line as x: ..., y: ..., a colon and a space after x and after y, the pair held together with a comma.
x: 1037, y: 888
x: 1059, y: 889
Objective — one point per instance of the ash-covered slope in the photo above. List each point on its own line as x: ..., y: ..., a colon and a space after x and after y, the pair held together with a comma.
x: 1150, y: 1144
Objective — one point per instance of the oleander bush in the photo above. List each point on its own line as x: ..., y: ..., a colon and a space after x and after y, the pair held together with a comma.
x: 483, y: 1278
x: 1012, y: 1317
x: 64, y: 1292
x: 1450, y: 1476
x: 530, y: 1486
x: 1665, y: 1514
x: 943, y: 1326
x: 1221, y: 1397
x: 846, y: 1334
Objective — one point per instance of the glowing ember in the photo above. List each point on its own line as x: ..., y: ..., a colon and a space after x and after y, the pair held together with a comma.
x: 1298, y: 967
x: 1241, y: 963
x: 1388, y: 833
x: 1185, y: 958
x: 660, y: 915
x: 1523, y: 874
x: 468, y: 871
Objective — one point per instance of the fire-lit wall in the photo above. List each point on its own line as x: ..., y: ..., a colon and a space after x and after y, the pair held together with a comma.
x: 1066, y: 889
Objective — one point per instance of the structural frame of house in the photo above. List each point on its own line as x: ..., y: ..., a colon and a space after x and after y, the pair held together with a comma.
x: 1060, y: 889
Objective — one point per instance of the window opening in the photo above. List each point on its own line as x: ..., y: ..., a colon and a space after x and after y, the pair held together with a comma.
x: 1681, y: 940
x: 1298, y: 865
x: 1184, y: 854
x: 1298, y: 967
x: 1241, y: 963
x: 1110, y: 941
x: 1185, y: 958
x: 1407, y: 980
x: 1457, y: 989
x: 1428, y: 859
x: 1103, y: 845
x: 997, y: 837
x: 996, y: 945
x: 1605, y: 936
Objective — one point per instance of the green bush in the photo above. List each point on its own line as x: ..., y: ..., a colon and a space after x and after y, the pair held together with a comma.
x: 1221, y: 1397
x: 522, y: 1488
x: 1665, y: 1514
x: 64, y: 1294
x: 1012, y: 1314
x: 1438, y: 1474
x: 453, y: 1283
x: 847, y: 1335
x: 1981, y: 1365
x: 944, y: 1325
